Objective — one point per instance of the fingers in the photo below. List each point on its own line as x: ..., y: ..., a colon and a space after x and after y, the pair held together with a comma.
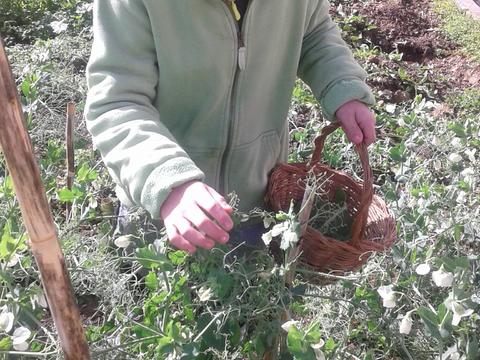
x: 204, y: 224
x: 196, y: 216
x: 177, y: 240
x: 358, y: 122
x: 215, y: 209
x: 366, y: 122
x: 193, y: 236
x: 352, y: 130
x: 220, y: 199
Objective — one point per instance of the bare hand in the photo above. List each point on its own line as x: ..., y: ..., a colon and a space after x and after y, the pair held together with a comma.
x: 358, y: 122
x: 195, y: 215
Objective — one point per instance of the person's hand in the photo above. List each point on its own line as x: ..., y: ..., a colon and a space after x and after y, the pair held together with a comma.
x: 358, y: 122
x: 195, y: 215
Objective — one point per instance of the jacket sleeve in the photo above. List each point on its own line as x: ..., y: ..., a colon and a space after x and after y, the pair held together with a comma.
x: 327, y: 64
x: 140, y: 153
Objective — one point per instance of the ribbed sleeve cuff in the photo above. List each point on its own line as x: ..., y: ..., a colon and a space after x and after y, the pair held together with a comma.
x: 163, y: 179
x: 344, y: 91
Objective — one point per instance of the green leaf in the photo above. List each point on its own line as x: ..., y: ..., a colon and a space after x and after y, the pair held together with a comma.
x: 26, y: 88
x: 68, y: 196
x: 458, y: 231
x: 5, y: 343
x: 8, y: 187
x: 297, y: 346
x: 397, y: 153
x: 402, y: 74
x: 441, y: 312
x: 7, y: 242
x: 446, y: 328
x: 473, y: 351
x: 369, y: 355
x: 330, y: 344
x: 85, y: 173
x: 178, y: 257
x: 458, y: 129
x: 430, y: 320
x: 314, y: 335
x: 451, y: 264
x: 235, y: 333
x: 164, y: 345
x: 151, y: 281
x: 295, y: 341
x: 150, y: 259
x: 190, y: 352
x: 174, y: 329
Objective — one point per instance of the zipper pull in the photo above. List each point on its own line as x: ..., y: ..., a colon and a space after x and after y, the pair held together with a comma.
x: 235, y: 11
x: 242, y: 57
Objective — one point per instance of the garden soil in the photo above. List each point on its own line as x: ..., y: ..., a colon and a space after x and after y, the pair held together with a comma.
x: 413, y: 30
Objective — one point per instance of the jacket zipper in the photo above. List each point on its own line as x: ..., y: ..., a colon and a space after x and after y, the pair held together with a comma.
x: 241, y: 62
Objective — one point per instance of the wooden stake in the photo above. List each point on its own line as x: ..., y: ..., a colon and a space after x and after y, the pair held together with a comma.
x: 36, y: 214
x: 70, y: 152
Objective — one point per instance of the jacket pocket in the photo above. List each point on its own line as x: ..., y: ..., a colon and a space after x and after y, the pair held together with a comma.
x: 249, y: 167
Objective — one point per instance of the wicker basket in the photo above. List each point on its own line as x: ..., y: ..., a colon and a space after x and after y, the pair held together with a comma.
x: 373, y: 228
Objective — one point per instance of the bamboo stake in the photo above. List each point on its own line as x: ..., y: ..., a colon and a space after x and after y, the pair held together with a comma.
x: 36, y: 214
x: 70, y: 152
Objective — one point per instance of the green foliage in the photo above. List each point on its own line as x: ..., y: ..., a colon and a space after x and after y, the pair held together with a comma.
x: 155, y: 303
x: 24, y: 21
x: 460, y: 27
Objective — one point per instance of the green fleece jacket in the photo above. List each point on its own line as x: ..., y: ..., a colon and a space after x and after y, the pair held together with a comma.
x: 178, y: 92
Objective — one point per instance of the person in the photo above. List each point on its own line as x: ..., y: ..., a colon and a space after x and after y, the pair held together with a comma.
x: 188, y: 101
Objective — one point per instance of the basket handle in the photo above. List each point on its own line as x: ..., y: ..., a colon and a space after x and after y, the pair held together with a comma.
x: 360, y: 220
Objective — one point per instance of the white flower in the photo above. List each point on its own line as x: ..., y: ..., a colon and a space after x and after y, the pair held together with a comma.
x: 287, y: 325
x: 20, y: 335
x: 437, y: 165
x: 59, y: 26
x: 422, y: 269
x: 267, y: 238
x: 14, y: 260
x: 289, y: 239
x: 40, y: 300
x: 388, y: 296
x: 6, y: 321
x: 442, y: 278
x: 475, y: 298
x: 406, y: 324
x: 390, y: 108
x: 123, y: 241
x: 471, y: 154
x: 319, y: 355
x: 459, y: 311
x: 467, y: 172
x: 21, y: 346
x: 455, y: 158
x: 82, y: 9
x: 279, y: 228
x: 461, y: 198
x: 456, y: 142
x: 205, y: 294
